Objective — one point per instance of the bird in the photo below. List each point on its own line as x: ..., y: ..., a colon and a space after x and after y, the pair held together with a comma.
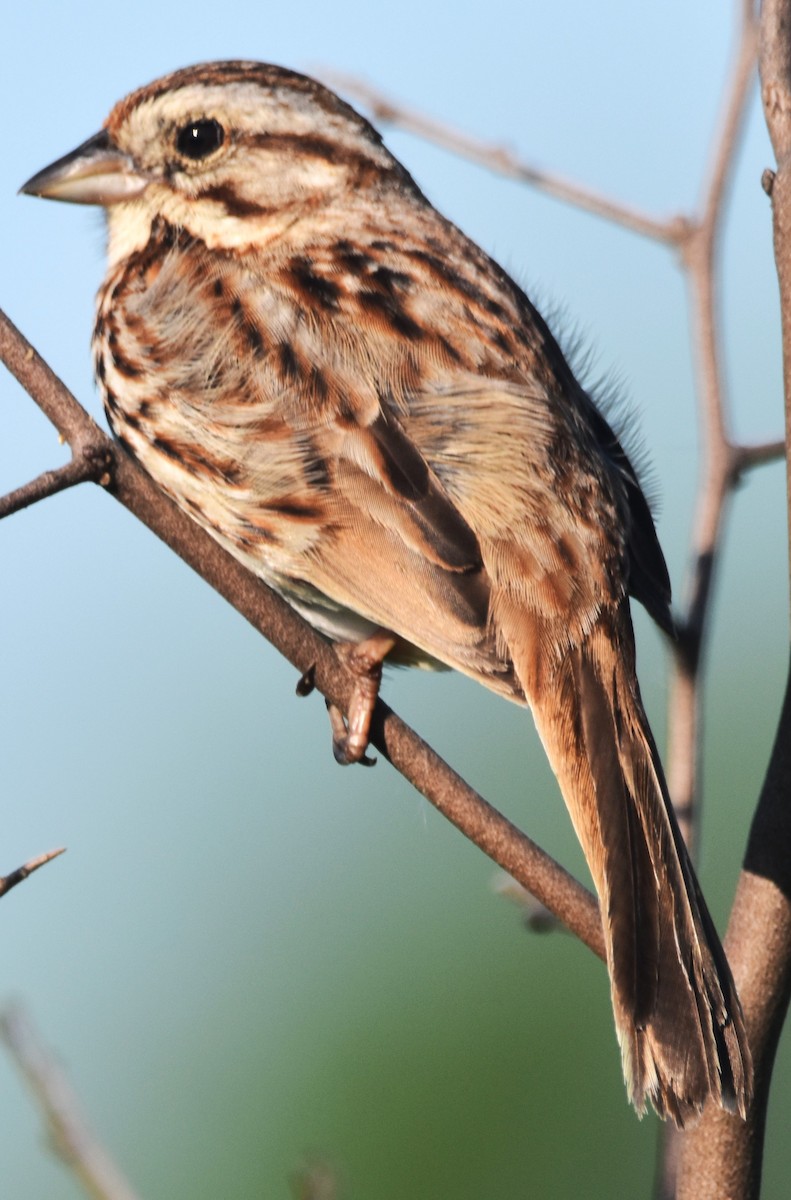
x: 363, y: 407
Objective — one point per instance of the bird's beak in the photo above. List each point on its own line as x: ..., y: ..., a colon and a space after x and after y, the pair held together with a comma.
x: 95, y: 173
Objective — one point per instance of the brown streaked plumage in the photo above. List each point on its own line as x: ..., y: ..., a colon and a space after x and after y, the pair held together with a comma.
x: 366, y: 410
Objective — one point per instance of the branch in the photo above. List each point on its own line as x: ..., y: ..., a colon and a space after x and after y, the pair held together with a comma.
x: 722, y: 1155
x: 387, y: 111
x: 92, y: 451
x: 10, y: 881
x: 723, y: 1151
x: 758, y: 455
x: 721, y: 460
x: 302, y: 646
x: 68, y: 1129
x: 78, y: 470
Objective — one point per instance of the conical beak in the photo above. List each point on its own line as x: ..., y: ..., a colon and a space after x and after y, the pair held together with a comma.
x: 95, y: 173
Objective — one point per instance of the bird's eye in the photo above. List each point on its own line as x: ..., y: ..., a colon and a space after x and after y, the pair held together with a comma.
x: 199, y: 139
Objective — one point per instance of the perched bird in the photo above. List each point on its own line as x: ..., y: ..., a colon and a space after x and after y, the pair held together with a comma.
x: 363, y: 408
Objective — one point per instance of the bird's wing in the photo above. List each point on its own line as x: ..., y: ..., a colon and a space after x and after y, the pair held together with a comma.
x: 433, y: 508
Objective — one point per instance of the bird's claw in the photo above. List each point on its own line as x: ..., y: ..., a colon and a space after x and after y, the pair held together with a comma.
x: 346, y: 747
x: 364, y: 660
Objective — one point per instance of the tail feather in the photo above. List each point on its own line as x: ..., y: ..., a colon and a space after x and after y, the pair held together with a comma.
x: 677, y: 1014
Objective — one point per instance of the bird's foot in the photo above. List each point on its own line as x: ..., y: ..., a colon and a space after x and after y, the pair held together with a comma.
x: 364, y: 660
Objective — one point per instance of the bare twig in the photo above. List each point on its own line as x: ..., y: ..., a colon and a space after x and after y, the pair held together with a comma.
x: 68, y: 1129
x: 78, y: 470
x: 272, y: 617
x: 10, y: 881
x: 388, y: 111
x: 746, y: 457
x: 719, y: 476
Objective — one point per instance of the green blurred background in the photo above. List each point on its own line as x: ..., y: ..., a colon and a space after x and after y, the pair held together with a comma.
x: 249, y: 958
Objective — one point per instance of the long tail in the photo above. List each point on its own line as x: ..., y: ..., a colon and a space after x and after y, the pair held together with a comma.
x: 677, y: 1014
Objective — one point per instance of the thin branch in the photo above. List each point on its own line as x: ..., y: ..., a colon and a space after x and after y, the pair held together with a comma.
x: 10, y: 881
x: 387, y: 111
x: 722, y: 1155
x: 741, y: 81
x: 293, y: 637
x: 722, y: 464
x: 725, y: 1153
x: 68, y: 1130
x: 719, y: 475
x: 79, y: 470
x: 758, y: 455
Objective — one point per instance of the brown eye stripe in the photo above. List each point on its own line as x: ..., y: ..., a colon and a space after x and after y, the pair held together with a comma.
x: 236, y: 205
x: 312, y: 146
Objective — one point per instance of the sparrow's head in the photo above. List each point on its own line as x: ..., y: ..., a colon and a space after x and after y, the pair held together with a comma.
x: 231, y: 151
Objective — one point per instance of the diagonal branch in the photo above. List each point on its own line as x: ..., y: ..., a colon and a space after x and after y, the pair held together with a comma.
x: 294, y: 638
x: 503, y: 161
x: 723, y: 460
x: 10, y: 881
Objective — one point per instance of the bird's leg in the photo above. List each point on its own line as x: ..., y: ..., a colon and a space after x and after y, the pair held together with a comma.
x: 364, y: 660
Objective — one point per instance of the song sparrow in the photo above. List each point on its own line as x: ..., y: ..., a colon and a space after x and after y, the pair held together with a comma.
x: 362, y: 407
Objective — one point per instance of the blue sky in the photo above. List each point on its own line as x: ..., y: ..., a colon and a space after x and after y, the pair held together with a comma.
x: 225, y: 882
